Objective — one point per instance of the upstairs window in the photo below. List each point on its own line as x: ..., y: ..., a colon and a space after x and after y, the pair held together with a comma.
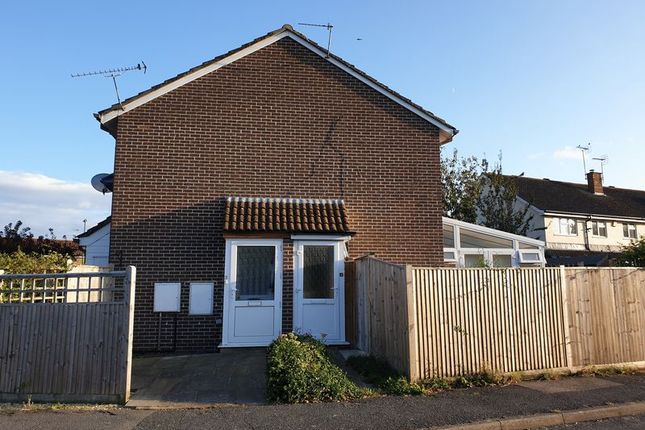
x: 565, y: 226
x: 599, y: 228
x: 629, y: 231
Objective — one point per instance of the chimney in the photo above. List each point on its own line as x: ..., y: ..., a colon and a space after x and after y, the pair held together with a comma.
x: 594, y: 182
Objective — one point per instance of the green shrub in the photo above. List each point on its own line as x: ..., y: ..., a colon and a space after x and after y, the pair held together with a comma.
x: 379, y: 373
x: 299, y: 370
x: 21, y: 262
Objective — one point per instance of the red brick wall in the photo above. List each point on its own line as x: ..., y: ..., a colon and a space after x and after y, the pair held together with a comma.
x: 281, y: 122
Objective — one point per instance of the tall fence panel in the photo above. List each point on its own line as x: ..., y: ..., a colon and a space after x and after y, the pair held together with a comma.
x: 505, y: 320
x: 382, y: 315
x: 607, y: 315
x: 444, y: 322
x: 66, y: 337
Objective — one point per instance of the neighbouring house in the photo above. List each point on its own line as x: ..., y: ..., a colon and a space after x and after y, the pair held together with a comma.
x: 582, y: 224
x: 472, y: 245
x: 241, y: 185
x: 95, y: 242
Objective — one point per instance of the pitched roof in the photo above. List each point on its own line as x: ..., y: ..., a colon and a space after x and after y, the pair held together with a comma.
x: 244, y: 214
x: 96, y: 228
x: 567, y: 197
x: 107, y: 115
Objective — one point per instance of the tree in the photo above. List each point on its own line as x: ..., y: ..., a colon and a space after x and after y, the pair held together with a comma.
x: 16, y: 231
x: 461, y: 185
x: 498, y: 206
x: 475, y: 193
x: 633, y: 255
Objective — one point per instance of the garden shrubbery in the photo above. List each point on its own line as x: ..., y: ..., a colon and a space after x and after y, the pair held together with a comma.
x: 21, y: 262
x: 299, y: 370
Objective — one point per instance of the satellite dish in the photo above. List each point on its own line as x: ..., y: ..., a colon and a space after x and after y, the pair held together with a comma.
x: 100, y: 184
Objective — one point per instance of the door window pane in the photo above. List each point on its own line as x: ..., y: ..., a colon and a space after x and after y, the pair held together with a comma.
x: 255, y: 276
x: 318, y: 277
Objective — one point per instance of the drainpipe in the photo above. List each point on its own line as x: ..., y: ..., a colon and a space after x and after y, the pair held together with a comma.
x: 586, y: 233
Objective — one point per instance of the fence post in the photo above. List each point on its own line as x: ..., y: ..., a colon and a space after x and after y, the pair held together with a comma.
x: 565, y: 317
x: 130, y: 283
x: 413, y: 355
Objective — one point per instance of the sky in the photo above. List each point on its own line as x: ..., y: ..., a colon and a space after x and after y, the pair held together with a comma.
x: 530, y: 79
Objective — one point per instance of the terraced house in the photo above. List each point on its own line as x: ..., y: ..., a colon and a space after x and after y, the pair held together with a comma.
x: 242, y: 185
x: 582, y: 224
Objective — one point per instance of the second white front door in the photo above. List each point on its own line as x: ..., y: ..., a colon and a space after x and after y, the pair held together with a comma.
x: 319, y: 289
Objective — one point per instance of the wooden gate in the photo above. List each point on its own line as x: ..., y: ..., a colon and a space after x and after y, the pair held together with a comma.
x: 66, y: 337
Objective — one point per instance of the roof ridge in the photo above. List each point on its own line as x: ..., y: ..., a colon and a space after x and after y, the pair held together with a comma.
x: 285, y: 28
x: 573, y: 183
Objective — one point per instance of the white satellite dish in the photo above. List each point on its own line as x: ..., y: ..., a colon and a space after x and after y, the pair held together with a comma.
x: 97, y: 183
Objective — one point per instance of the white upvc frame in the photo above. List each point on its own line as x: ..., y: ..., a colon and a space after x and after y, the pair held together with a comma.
x: 515, y: 252
x: 338, y: 243
x: 230, y: 262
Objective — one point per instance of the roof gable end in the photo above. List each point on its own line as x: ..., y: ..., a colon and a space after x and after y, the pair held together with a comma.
x: 106, y: 116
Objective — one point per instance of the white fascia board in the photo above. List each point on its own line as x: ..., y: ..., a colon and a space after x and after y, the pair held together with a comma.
x: 492, y: 231
x: 191, y: 77
x: 447, y: 131
x: 593, y: 216
x: 375, y: 86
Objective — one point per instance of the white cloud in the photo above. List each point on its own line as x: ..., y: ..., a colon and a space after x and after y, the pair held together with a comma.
x: 567, y: 153
x: 41, y: 202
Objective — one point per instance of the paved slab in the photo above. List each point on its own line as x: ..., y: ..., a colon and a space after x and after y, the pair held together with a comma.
x: 234, y: 376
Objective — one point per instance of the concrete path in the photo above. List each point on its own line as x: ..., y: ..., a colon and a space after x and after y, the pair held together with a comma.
x: 233, y: 376
x: 440, y: 410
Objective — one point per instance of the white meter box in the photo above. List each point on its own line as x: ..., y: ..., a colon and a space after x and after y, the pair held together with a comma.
x: 167, y: 296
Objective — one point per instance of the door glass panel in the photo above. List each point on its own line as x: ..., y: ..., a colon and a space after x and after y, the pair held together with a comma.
x: 318, y: 276
x: 502, y: 261
x: 255, y: 276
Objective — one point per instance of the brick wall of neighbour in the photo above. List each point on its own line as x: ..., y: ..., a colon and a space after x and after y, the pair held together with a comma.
x: 281, y: 122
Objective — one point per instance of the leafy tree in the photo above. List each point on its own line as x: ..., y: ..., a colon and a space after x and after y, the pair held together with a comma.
x: 476, y: 193
x: 498, y: 205
x: 633, y: 255
x: 461, y: 184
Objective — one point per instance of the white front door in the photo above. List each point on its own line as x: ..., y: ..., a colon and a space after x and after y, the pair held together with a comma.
x: 252, y: 292
x: 319, y: 289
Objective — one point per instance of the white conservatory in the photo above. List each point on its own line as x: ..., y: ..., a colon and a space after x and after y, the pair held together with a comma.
x: 471, y: 245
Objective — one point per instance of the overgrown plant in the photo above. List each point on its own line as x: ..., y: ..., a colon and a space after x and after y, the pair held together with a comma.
x: 300, y: 370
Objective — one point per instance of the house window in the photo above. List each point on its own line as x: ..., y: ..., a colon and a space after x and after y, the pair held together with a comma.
x: 599, y: 228
x: 629, y: 231
x: 565, y: 226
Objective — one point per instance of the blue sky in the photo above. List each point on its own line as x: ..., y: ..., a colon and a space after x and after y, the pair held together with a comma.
x: 532, y: 79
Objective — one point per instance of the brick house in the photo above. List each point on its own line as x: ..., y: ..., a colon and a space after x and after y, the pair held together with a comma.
x: 241, y: 185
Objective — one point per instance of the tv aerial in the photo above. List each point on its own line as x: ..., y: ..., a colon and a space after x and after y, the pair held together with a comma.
x: 113, y: 73
x: 604, y: 160
x: 584, y: 149
x: 328, y: 26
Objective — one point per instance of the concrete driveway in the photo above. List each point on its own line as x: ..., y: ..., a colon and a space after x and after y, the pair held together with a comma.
x: 233, y: 376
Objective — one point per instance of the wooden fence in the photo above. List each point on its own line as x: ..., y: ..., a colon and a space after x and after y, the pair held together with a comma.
x: 443, y: 322
x: 59, y: 342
